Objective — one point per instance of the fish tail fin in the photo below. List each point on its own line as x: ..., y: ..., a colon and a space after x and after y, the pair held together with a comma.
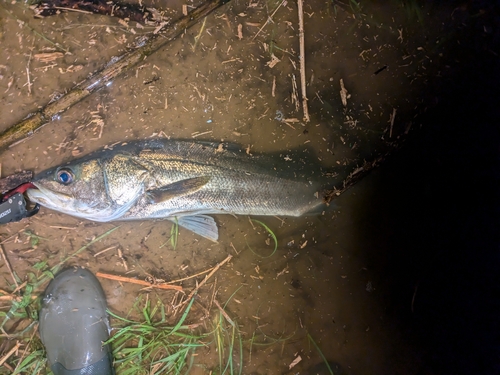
x: 320, y: 208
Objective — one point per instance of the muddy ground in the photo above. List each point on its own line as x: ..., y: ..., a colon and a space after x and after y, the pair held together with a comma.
x: 386, y: 281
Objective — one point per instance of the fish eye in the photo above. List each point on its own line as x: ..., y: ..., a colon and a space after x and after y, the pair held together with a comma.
x: 65, y: 176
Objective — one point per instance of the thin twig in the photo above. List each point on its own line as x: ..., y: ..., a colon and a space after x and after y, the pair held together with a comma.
x: 8, y: 367
x: 20, y: 287
x: 26, y: 348
x: 9, y: 353
x: 343, y: 93
x: 9, y: 297
x: 103, y: 251
x: 302, y: 60
x: 28, y: 69
x: 193, y: 292
x: 270, y: 18
x: 190, y: 277
x: 229, y: 320
x: 393, y: 116
x: 60, y: 227
x: 138, y: 282
x: 73, y: 10
x: 234, y: 248
x: 7, y: 263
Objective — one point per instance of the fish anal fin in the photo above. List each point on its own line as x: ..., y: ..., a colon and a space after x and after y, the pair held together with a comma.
x: 176, y: 189
x: 202, y: 225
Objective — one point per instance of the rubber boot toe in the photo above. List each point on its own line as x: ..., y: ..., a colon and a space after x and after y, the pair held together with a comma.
x: 74, y: 324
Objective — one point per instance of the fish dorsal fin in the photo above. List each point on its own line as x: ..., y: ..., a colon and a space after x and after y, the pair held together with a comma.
x: 124, y: 178
x: 176, y: 189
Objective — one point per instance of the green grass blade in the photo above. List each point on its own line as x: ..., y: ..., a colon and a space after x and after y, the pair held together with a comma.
x: 174, y: 233
x: 321, y: 354
x: 97, y: 239
x: 271, y: 233
x: 184, y: 315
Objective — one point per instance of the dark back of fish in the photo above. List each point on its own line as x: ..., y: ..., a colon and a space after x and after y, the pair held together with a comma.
x: 187, y: 178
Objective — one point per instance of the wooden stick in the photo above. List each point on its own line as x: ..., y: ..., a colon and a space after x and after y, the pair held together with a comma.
x: 270, y: 18
x: 9, y: 353
x: 10, y: 297
x: 103, y: 251
x: 190, y: 277
x: 36, y: 120
x: 204, y: 281
x: 139, y: 282
x: 302, y: 60
x: 8, y: 367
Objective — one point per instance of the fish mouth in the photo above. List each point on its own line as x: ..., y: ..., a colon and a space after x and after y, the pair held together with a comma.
x: 68, y: 204
x: 46, y: 197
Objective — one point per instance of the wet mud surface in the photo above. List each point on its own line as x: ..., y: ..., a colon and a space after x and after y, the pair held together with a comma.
x: 351, y: 278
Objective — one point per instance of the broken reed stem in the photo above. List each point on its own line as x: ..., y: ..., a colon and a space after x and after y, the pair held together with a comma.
x: 193, y: 292
x: 138, y: 282
x: 115, y: 68
x: 302, y: 60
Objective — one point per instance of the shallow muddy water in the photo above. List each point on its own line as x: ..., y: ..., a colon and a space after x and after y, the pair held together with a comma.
x: 331, y: 280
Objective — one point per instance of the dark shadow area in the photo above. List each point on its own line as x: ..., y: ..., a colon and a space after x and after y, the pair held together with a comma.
x: 434, y: 212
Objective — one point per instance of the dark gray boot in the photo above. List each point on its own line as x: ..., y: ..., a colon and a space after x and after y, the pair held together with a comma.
x: 74, y: 324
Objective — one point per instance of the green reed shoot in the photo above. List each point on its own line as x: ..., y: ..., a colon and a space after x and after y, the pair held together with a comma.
x: 273, y: 236
x: 321, y: 354
x: 152, y: 346
x: 174, y: 233
x: 225, y: 335
x: 34, y: 239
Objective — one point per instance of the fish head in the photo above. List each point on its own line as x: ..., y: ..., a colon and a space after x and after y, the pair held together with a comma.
x: 78, y: 189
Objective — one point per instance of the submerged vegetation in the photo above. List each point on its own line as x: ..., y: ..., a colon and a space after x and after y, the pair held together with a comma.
x: 271, y: 234
x: 152, y: 338
x: 151, y: 345
x: 143, y: 342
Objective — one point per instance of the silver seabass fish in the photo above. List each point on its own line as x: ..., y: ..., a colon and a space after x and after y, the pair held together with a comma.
x: 178, y: 180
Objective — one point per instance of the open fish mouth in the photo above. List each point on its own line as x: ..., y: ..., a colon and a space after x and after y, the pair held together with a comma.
x: 61, y: 202
x: 47, y: 197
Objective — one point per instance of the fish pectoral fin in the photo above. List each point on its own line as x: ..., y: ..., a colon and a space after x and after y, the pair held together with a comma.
x: 202, y: 225
x: 177, y: 189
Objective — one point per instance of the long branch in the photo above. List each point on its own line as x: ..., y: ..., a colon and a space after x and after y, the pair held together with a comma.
x: 36, y: 120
